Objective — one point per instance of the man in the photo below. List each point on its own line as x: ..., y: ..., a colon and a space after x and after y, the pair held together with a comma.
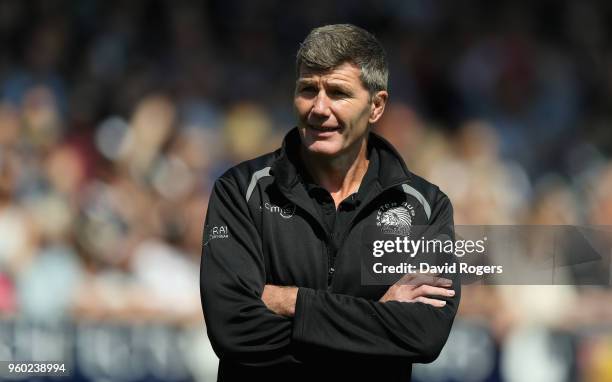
x: 284, y: 237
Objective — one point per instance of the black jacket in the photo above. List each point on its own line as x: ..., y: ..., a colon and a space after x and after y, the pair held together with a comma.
x: 262, y: 228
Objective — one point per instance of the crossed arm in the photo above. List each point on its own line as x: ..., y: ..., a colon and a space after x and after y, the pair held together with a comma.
x: 254, y: 323
x: 411, y: 288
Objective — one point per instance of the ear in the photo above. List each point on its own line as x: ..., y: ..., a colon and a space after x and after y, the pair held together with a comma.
x: 379, y: 100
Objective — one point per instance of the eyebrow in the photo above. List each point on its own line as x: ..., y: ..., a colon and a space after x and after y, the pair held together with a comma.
x: 341, y: 87
x: 305, y: 81
x: 332, y: 84
x: 338, y: 85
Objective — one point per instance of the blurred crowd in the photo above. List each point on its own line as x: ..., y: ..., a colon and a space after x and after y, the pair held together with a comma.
x: 116, y: 117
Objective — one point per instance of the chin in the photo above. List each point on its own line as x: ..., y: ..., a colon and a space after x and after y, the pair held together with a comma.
x: 323, y: 148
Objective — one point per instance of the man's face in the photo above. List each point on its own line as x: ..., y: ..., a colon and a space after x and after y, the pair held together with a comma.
x: 334, y: 109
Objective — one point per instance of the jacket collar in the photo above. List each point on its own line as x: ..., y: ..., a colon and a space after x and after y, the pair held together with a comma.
x: 285, y: 169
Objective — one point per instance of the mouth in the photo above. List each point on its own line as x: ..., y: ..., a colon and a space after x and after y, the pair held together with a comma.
x: 324, y: 129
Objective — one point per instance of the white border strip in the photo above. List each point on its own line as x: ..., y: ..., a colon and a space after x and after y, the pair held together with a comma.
x: 412, y: 191
x: 254, y: 179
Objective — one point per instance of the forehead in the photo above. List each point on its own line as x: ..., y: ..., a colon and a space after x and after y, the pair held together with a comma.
x: 345, y: 72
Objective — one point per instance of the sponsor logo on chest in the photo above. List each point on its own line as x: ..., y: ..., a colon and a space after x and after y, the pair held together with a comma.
x: 286, y: 212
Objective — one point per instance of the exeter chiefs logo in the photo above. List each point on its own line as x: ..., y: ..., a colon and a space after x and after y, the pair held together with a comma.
x: 395, y: 219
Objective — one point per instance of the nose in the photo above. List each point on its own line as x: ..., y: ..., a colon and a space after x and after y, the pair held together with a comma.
x: 321, y: 106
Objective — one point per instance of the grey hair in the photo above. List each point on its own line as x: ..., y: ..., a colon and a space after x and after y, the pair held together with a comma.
x: 329, y: 46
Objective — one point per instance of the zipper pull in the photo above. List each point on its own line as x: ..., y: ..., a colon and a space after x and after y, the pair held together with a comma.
x: 330, y: 275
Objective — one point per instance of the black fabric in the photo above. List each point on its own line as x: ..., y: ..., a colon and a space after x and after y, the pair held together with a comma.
x: 337, y: 220
x: 262, y: 227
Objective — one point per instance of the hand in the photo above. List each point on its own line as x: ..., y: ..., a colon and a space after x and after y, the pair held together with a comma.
x: 280, y: 299
x: 414, y: 288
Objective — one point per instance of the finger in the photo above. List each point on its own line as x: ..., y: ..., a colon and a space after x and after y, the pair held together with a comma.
x: 442, y: 282
x: 418, y: 279
x: 431, y: 301
x: 428, y: 290
x: 406, y: 279
x: 436, y: 280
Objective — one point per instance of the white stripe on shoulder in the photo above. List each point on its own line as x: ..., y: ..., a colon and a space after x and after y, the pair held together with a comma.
x: 254, y: 179
x: 412, y: 191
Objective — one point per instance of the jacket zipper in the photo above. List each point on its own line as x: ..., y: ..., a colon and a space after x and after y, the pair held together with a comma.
x: 331, y: 266
x: 330, y: 260
x: 331, y: 269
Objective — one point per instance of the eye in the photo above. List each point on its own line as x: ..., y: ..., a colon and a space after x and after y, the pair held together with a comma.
x: 307, y: 89
x: 338, y: 93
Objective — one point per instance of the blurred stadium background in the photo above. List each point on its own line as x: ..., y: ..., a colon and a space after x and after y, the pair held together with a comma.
x: 117, y: 116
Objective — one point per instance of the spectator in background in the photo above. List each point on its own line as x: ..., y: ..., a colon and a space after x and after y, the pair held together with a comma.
x: 74, y: 75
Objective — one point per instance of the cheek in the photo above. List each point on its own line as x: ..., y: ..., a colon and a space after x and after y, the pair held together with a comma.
x: 343, y: 113
x: 301, y: 108
x: 366, y: 113
x: 356, y: 116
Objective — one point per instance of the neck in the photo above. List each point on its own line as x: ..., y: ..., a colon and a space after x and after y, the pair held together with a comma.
x: 340, y: 175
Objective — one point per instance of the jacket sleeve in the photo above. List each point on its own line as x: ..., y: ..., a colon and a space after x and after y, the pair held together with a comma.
x: 232, y: 277
x: 361, y: 326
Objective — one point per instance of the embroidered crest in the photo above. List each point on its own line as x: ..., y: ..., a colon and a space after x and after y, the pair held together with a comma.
x: 394, y: 219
